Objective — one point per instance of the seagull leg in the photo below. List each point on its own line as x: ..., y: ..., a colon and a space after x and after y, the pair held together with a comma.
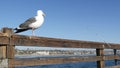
x: 32, y: 33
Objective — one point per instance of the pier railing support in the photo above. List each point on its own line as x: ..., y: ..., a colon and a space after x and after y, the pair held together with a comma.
x: 8, y: 41
x: 115, y: 53
x: 100, y: 52
x: 7, y: 50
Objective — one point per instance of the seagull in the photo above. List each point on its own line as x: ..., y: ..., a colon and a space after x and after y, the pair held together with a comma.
x: 32, y: 23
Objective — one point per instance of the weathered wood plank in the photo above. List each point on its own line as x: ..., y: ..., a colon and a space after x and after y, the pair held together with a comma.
x: 10, y: 55
x: 111, y: 57
x: 46, y: 61
x: 20, y: 40
x: 2, y: 51
x: 113, y: 66
x: 4, y: 40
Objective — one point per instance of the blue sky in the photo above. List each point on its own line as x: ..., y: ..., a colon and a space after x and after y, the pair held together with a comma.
x: 91, y: 20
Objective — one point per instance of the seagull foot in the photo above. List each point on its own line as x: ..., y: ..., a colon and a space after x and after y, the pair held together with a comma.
x: 32, y: 37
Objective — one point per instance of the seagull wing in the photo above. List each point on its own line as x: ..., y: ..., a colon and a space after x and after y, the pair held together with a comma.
x: 26, y: 24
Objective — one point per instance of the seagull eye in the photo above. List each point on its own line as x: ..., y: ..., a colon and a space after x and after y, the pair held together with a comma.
x: 43, y: 14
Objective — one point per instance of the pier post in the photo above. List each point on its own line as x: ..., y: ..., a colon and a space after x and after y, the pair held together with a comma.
x: 100, y: 52
x: 3, y: 60
x: 7, y: 51
x: 115, y: 53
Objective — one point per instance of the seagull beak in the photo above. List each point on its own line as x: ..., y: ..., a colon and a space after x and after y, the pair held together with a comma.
x: 43, y: 14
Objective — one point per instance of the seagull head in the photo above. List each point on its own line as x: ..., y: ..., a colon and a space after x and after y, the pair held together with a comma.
x: 40, y: 12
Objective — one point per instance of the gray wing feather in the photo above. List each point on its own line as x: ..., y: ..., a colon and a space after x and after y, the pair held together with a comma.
x: 26, y: 24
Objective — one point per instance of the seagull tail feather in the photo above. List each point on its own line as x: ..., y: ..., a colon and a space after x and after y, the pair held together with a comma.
x: 20, y: 30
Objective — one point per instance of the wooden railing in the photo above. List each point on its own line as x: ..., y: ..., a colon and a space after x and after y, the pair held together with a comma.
x: 8, y: 41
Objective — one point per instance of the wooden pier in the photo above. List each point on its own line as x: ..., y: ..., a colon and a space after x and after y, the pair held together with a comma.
x: 8, y: 41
